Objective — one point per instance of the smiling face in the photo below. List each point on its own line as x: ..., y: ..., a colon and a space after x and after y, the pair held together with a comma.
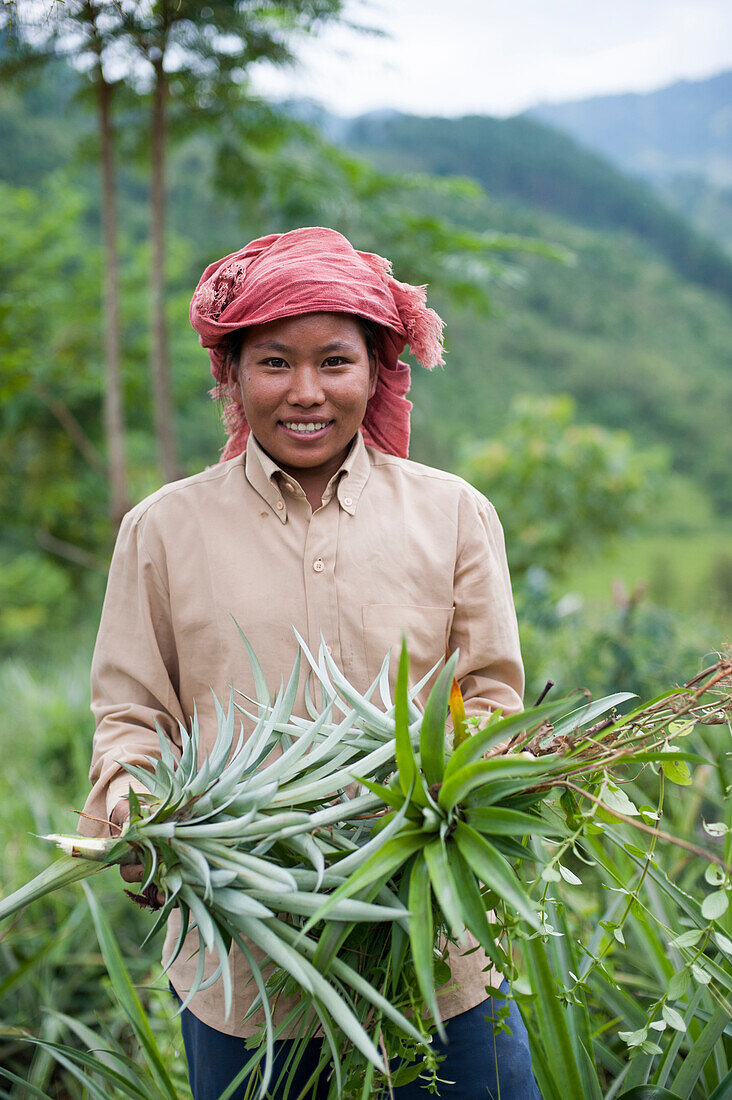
x: 304, y: 383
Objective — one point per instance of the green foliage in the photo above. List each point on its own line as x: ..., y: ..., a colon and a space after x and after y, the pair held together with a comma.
x: 405, y: 215
x: 591, y: 885
x: 49, y: 368
x: 50, y: 970
x: 560, y: 488
x: 596, y: 645
x: 202, y: 55
x: 33, y: 592
x: 31, y: 108
x: 635, y: 347
x: 671, y: 1019
x: 682, y: 572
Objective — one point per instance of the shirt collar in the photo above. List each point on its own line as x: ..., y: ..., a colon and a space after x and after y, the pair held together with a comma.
x: 269, y: 480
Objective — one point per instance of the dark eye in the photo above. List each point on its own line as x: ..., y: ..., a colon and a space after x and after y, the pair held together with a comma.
x: 334, y: 361
x: 275, y: 362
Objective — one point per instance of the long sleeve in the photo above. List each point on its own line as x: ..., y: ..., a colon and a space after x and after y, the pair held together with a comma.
x: 484, y: 628
x: 134, y: 672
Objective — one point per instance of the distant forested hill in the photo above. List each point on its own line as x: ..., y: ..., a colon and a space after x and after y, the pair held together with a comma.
x: 679, y: 139
x: 638, y: 328
x: 705, y: 205
x: 637, y: 346
x: 527, y: 162
x: 685, y: 128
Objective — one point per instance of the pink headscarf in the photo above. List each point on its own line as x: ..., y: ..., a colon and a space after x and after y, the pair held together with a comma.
x: 315, y: 270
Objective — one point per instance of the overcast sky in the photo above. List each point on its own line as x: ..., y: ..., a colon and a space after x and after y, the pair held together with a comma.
x: 500, y: 56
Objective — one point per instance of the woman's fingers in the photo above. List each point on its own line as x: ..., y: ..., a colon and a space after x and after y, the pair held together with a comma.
x: 135, y: 872
x: 132, y: 872
x: 120, y: 813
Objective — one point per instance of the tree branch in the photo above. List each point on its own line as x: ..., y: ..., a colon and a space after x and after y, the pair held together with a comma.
x: 73, y: 429
x: 67, y: 550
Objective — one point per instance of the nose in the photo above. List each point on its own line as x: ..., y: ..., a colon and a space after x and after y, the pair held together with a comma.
x: 306, y: 388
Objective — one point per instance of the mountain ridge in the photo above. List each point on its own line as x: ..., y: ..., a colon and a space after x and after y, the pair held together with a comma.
x: 527, y: 161
x: 682, y: 127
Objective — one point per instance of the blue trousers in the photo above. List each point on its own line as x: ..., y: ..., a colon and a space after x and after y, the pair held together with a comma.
x: 476, y: 1059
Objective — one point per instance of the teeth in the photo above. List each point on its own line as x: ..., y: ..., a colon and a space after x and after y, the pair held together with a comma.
x: 311, y: 427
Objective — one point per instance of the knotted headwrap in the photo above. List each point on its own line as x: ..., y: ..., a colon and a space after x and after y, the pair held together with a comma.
x: 317, y: 270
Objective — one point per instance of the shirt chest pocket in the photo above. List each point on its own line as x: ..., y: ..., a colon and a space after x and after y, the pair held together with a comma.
x: 426, y: 630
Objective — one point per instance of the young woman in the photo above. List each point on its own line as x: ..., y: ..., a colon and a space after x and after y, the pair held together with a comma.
x: 314, y: 518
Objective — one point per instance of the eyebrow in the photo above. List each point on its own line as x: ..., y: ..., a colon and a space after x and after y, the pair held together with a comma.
x: 334, y: 345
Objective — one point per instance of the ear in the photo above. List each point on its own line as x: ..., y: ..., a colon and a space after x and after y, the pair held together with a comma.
x: 233, y: 369
x: 374, y: 377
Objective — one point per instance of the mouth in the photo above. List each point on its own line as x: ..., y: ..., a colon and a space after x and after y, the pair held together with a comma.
x: 305, y: 429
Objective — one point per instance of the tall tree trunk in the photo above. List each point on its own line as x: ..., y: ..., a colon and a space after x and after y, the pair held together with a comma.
x: 114, y: 420
x: 159, y: 359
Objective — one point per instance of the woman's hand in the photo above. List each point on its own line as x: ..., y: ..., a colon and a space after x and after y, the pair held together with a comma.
x: 131, y: 872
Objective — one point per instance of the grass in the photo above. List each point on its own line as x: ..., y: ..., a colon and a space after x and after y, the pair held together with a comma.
x: 50, y: 965
x: 686, y: 572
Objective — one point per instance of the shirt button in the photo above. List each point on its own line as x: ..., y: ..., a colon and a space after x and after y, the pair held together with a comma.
x: 347, y: 501
x: 280, y: 505
x: 318, y: 565
x: 290, y: 488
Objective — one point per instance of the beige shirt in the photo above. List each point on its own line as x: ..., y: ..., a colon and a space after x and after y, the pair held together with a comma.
x: 396, y: 547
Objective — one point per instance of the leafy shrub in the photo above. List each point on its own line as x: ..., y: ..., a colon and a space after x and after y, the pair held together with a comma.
x: 559, y: 487
x: 33, y: 592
